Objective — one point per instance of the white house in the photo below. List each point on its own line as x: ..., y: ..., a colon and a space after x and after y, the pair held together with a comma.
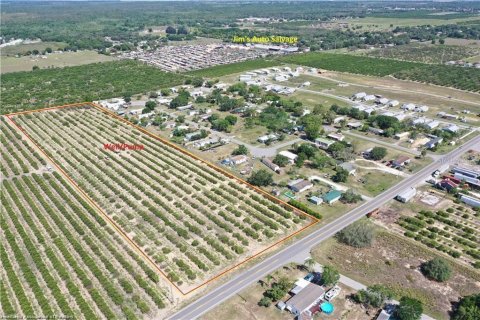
x: 393, y: 103
x: 406, y: 195
x: 453, y: 128
x: 305, y: 299
x: 369, y: 97
x: 421, y: 109
x: 292, y: 157
x: 408, y: 106
x: 359, y: 95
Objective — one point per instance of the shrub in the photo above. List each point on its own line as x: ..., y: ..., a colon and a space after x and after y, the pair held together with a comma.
x: 359, y: 235
x: 437, y: 269
x: 467, y: 308
x: 409, y: 309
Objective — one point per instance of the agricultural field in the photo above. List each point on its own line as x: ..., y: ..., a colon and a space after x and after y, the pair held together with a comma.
x: 53, y: 60
x: 395, y: 261
x: 50, y: 87
x: 425, y: 53
x: 188, y: 218
x: 59, y: 256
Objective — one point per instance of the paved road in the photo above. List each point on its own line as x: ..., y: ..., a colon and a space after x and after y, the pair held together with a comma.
x: 300, y: 249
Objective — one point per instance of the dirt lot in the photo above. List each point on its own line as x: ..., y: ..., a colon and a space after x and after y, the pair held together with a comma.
x: 394, y: 261
x: 244, y: 305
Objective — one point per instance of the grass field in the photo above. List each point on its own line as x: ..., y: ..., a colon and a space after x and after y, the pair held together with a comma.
x: 21, y: 49
x: 59, y: 257
x: 191, y: 220
x: 394, y: 262
x: 54, y: 60
x: 226, y: 69
x: 48, y: 87
x: 426, y: 53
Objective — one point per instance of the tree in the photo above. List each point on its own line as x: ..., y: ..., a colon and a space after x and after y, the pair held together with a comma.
x: 35, y: 68
x: 197, y: 82
x: 378, y: 153
x: 409, y: 309
x: 231, y: 119
x: 437, y: 269
x: 281, y: 160
x: 150, y: 105
x: 300, y: 160
x: 171, y: 30
x: 48, y: 50
x: 320, y: 161
x: 261, y: 178
x: 165, y: 92
x: 127, y: 98
x: 341, y: 175
x: 330, y: 275
x: 359, y: 234
x: 241, y: 149
x: 350, y: 197
x: 182, y: 30
x: 309, y: 263
x: 153, y: 95
x: 221, y: 125
x: 468, y: 308
x: 265, y: 302
x: 307, y: 149
x: 374, y: 296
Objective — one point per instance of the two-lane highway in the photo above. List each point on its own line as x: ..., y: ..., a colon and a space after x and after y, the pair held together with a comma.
x: 287, y: 254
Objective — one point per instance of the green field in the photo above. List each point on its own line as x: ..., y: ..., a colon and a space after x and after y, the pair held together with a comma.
x: 50, y: 87
x: 65, y: 59
x: 222, y: 70
x: 22, y: 49
x: 349, y: 63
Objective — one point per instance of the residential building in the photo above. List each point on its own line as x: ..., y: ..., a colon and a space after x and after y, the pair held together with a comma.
x: 271, y: 165
x: 382, y: 101
x: 384, y: 315
x: 239, y: 159
x: 393, y: 103
x: 292, y: 157
x: 349, y: 167
x: 376, y: 130
x: 432, y: 124
x: 452, y: 128
x: 354, y: 125
x: 305, y: 299
x: 473, y: 182
x: 401, y: 161
x: 338, y: 119
x: 408, y: 106
x: 336, y: 136
x: 265, y: 138
x: 300, y: 185
x: 323, y: 143
x: 433, y: 142
x: 359, y: 95
x: 369, y: 97
x: 401, y: 135
x: 332, y: 196
x: 315, y: 200
x: 421, y: 109
x: 466, y: 172
x: 406, y: 195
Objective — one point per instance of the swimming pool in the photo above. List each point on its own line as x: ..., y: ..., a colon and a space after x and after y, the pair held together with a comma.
x: 327, y: 307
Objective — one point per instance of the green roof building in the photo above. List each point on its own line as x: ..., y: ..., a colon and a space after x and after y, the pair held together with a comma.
x: 332, y: 196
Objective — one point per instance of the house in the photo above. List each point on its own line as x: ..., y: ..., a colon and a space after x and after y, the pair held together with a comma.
x: 332, y: 196
x: 268, y: 137
x: 401, y: 161
x: 245, y: 77
x: 433, y: 142
x: 421, y: 109
x: 305, y: 299
x: 393, y: 103
x: 280, y: 78
x: 349, y: 167
x: 315, y: 200
x: 300, y: 185
x: 354, y: 125
x: 292, y: 157
x: 306, y: 84
x: 382, y: 101
x: 406, y: 195
x: 401, y: 135
x: 323, y: 143
x: 447, y: 184
x: 191, y: 135
x: 369, y: 97
x: 183, y: 108
x: 359, y: 95
x: 453, y: 128
x: 376, y: 130
x: 408, y: 106
x: 338, y: 119
x: 271, y: 165
x: 239, y: 159
x: 336, y: 136
x: 473, y: 182
x: 432, y: 124
x: 471, y: 201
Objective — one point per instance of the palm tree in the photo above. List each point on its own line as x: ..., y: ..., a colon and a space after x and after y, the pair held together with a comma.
x: 309, y: 264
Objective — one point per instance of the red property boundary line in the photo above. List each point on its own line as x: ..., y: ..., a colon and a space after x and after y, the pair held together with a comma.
x: 168, y: 143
